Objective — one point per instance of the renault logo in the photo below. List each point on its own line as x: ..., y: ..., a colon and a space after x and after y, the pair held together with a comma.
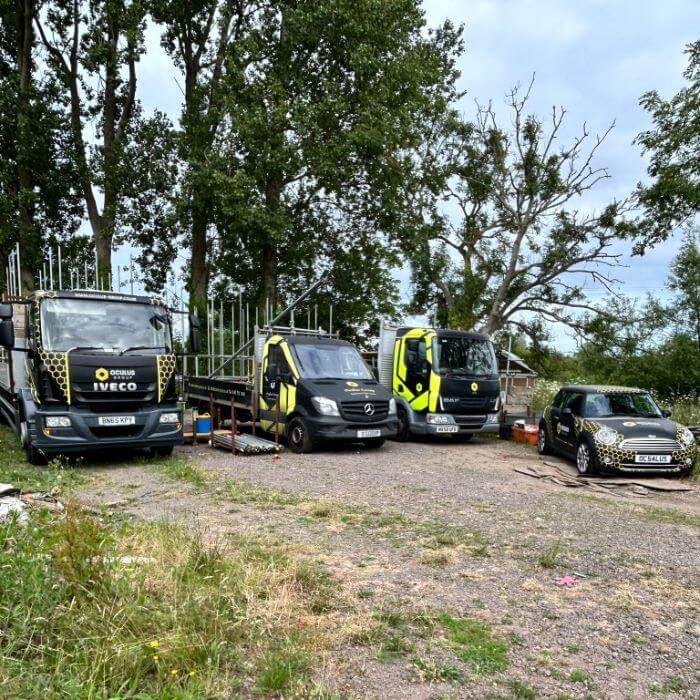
x: 369, y: 409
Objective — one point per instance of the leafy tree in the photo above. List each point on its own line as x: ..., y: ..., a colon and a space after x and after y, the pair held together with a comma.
x: 685, y: 281
x: 673, y: 197
x: 93, y: 48
x: 497, y: 237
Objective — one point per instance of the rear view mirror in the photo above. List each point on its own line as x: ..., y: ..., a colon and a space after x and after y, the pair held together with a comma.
x: 5, y: 312
x: 195, y: 335
x: 7, y: 334
x: 666, y: 413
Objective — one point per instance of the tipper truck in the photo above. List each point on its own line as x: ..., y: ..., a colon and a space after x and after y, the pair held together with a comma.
x: 87, y: 370
x: 304, y: 385
x: 445, y: 382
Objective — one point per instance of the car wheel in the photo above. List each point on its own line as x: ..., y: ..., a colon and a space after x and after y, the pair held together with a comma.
x: 162, y: 451
x: 543, y: 442
x: 404, y: 431
x: 586, y: 459
x: 298, y: 437
x: 374, y: 443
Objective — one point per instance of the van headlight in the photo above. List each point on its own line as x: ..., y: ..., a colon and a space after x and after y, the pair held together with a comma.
x: 169, y: 418
x: 325, y: 406
x: 58, y: 422
x: 606, y: 436
x: 392, y: 407
x: 687, y: 437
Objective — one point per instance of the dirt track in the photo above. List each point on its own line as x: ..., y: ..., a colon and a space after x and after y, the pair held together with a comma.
x: 437, y: 527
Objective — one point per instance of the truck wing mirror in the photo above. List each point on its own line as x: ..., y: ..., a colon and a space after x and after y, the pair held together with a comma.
x: 195, y: 335
x: 5, y: 312
x: 7, y: 334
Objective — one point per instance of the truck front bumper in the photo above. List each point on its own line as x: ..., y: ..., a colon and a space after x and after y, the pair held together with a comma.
x: 85, y: 432
x: 333, y: 428
x: 455, y: 425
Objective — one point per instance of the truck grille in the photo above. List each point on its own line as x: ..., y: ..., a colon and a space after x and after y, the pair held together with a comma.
x: 116, y: 431
x: 356, y: 410
x: 473, y: 402
x: 97, y: 400
x: 476, y: 420
x: 657, y: 445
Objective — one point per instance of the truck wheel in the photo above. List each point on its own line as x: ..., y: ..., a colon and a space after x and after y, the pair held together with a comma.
x: 404, y: 431
x: 298, y: 437
x: 543, y: 441
x: 34, y: 456
x: 374, y: 443
x: 162, y: 451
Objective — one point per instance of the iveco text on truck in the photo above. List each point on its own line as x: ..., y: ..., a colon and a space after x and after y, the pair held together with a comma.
x: 444, y: 381
x: 89, y: 370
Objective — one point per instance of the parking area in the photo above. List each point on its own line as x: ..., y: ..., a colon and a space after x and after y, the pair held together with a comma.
x: 418, y: 533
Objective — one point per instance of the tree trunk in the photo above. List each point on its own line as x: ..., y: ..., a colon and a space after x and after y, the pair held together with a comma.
x: 199, y: 268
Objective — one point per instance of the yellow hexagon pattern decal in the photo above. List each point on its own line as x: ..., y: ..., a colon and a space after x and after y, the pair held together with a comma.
x: 101, y: 374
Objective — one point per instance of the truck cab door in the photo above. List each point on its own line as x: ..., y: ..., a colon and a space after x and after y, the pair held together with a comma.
x: 412, y: 369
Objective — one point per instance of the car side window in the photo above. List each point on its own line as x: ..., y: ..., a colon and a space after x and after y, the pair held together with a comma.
x: 574, y: 401
x: 558, y: 399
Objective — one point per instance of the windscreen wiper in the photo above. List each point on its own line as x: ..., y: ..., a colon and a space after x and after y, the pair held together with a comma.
x: 142, y: 347
x: 85, y: 347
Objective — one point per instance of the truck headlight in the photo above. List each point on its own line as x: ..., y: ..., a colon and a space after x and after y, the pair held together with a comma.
x: 606, y: 436
x: 58, y: 422
x: 392, y: 407
x: 492, y: 418
x: 687, y: 437
x: 169, y: 418
x: 325, y: 406
x: 439, y: 418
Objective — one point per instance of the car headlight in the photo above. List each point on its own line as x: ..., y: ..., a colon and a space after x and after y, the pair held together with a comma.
x: 325, y: 406
x: 687, y: 436
x: 58, y: 422
x: 439, y: 418
x: 169, y: 417
x: 392, y: 407
x: 606, y: 436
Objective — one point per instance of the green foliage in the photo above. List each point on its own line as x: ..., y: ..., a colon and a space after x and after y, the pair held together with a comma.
x: 473, y: 643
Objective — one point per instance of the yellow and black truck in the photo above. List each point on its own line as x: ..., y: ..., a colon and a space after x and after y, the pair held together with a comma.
x: 303, y: 385
x: 84, y: 370
x: 445, y: 382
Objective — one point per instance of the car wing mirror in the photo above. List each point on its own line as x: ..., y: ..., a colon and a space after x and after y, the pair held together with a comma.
x: 666, y: 413
x: 567, y: 412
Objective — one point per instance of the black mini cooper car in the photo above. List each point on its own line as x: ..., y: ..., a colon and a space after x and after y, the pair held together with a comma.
x: 614, y: 428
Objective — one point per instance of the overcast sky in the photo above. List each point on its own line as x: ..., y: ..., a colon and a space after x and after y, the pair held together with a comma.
x: 594, y: 57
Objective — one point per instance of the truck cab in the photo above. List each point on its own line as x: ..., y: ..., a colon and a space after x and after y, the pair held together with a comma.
x: 445, y: 382
x: 315, y: 389
x: 91, y: 370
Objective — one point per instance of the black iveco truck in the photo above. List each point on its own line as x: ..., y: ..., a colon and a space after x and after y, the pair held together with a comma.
x: 86, y: 370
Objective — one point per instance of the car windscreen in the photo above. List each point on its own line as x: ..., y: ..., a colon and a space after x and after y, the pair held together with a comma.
x: 330, y: 362
x: 599, y: 405
x: 473, y: 357
x: 103, y: 326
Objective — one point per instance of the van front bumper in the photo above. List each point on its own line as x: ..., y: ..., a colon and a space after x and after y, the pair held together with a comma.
x: 331, y: 428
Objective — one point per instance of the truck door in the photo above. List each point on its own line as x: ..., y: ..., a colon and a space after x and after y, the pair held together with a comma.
x: 278, y: 391
x: 412, y: 368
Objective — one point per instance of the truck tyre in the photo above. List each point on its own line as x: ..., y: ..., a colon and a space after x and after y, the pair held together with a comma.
x: 34, y: 456
x: 374, y: 443
x: 586, y: 460
x: 543, y: 441
x: 162, y: 451
x: 298, y: 437
x: 404, y: 431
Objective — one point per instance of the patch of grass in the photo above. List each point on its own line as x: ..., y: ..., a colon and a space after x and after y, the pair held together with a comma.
x: 18, y: 472
x: 181, y: 469
x: 578, y: 676
x: 431, y: 670
x: 439, y: 557
x: 521, y: 690
x: 472, y: 642
x: 94, y: 609
x: 670, y: 685
x: 548, y: 558
x: 394, y: 647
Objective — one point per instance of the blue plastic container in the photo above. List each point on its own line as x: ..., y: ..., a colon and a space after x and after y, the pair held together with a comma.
x: 203, y: 423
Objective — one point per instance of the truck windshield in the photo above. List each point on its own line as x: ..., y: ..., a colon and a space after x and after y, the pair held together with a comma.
x: 473, y: 357
x: 103, y: 326
x: 600, y: 405
x: 331, y: 362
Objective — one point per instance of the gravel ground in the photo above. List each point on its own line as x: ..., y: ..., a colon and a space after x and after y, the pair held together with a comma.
x: 436, y: 527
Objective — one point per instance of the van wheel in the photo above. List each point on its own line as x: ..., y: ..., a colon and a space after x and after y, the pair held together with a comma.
x: 298, y: 437
x: 404, y: 431
x: 34, y: 456
x: 586, y: 462
x: 162, y: 451
x: 374, y: 443
x: 543, y: 442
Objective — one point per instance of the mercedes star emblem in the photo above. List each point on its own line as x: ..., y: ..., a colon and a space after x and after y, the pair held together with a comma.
x: 369, y: 409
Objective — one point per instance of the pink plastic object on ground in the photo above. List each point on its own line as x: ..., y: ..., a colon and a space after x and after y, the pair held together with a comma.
x: 566, y: 580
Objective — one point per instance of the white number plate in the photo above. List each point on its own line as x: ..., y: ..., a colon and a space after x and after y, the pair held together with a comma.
x: 369, y: 433
x: 447, y: 428
x: 653, y: 459
x: 116, y: 420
